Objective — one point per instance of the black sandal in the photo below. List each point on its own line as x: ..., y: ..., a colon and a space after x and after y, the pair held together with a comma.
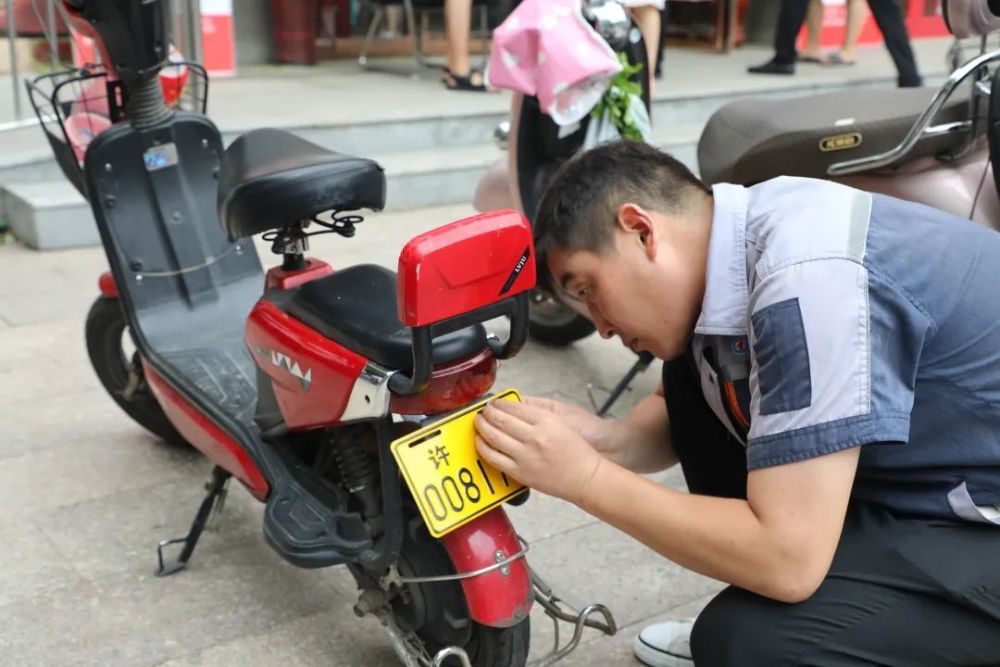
x: 453, y: 81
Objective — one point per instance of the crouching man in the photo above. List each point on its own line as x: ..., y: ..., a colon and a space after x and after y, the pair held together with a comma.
x: 831, y: 390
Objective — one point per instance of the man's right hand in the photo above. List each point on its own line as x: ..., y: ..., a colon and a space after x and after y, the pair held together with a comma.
x: 598, y: 432
x: 640, y: 442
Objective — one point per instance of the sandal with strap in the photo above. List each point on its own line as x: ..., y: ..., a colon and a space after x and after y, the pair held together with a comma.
x: 838, y: 59
x: 453, y: 81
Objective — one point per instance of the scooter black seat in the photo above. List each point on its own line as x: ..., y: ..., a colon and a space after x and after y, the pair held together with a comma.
x: 271, y: 178
x: 749, y: 141
x: 356, y: 307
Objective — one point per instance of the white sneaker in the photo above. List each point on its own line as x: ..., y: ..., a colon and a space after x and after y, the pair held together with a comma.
x: 665, y: 644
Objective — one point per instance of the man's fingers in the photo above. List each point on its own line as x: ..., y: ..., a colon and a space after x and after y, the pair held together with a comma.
x: 543, y: 403
x: 496, y: 437
x: 529, y: 414
x: 507, y: 422
x: 495, y: 458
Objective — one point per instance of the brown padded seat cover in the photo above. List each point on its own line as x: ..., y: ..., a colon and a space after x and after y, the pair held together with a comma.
x: 749, y: 141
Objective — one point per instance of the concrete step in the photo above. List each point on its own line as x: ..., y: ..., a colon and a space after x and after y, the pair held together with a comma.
x: 31, y: 161
x: 25, y: 157
x: 47, y: 215
x: 417, y: 179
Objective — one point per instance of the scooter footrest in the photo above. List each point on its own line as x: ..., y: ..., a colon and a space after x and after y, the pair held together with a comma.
x: 307, y: 533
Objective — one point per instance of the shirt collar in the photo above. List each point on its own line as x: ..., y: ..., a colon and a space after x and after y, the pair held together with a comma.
x: 724, y: 309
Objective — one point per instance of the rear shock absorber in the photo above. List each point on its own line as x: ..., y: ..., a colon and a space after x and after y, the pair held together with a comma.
x: 359, y: 473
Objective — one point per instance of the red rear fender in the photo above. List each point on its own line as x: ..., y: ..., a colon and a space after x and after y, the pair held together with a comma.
x: 500, y: 598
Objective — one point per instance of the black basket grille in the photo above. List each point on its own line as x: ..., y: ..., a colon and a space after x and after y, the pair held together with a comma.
x: 74, y: 106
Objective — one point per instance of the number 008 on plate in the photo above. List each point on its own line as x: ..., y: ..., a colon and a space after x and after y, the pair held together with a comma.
x: 451, y: 484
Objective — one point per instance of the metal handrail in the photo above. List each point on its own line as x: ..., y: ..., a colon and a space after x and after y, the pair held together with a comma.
x: 922, y: 128
x: 948, y: 128
x: 15, y: 69
x: 15, y: 75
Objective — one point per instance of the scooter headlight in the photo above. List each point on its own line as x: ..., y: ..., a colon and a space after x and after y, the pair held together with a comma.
x: 610, y: 20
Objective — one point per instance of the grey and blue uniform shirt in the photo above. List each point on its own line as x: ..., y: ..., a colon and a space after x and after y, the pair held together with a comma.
x: 835, y: 318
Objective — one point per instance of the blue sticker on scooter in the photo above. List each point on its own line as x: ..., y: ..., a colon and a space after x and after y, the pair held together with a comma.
x: 160, y: 157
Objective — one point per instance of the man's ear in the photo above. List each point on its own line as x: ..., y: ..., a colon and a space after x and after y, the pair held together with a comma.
x: 637, y: 222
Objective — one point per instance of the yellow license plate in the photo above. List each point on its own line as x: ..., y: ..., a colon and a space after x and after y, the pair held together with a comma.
x: 449, y: 481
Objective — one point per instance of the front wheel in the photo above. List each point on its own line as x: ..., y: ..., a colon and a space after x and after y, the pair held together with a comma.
x: 553, y: 323
x: 118, y: 367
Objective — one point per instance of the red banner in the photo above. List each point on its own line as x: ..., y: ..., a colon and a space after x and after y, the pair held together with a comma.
x: 217, y: 40
x: 923, y: 19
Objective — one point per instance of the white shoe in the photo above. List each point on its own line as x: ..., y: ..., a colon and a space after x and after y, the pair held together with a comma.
x: 665, y: 644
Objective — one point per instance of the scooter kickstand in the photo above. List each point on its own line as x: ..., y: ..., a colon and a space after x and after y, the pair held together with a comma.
x: 216, y: 488
x: 558, y: 611
x: 641, y: 364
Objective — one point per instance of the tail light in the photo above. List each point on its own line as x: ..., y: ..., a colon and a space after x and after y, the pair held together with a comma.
x: 451, y: 387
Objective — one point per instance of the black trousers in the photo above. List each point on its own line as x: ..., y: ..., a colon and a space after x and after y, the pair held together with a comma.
x: 887, y: 14
x: 901, y: 591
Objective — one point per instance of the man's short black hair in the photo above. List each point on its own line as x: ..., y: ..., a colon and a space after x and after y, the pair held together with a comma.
x: 580, y: 204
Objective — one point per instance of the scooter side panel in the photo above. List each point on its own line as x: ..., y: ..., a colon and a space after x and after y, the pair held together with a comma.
x: 312, y: 376
x: 208, y: 438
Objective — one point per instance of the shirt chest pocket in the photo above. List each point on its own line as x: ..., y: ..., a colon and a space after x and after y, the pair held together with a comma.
x: 712, y: 390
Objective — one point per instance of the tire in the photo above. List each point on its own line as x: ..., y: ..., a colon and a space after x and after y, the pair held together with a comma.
x: 552, y: 323
x: 499, y: 647
x: 105, y: 332
x: 425, y: 607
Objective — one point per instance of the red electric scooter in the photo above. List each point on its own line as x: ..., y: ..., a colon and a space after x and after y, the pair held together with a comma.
x: 297, y: 382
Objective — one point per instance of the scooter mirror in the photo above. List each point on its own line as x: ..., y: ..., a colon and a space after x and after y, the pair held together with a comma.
x: 610, y: 20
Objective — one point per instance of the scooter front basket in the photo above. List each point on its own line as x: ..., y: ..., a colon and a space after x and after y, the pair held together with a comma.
x: 74, y: 106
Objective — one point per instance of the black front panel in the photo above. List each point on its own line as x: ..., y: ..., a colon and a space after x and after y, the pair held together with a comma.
x: 187, y: 287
